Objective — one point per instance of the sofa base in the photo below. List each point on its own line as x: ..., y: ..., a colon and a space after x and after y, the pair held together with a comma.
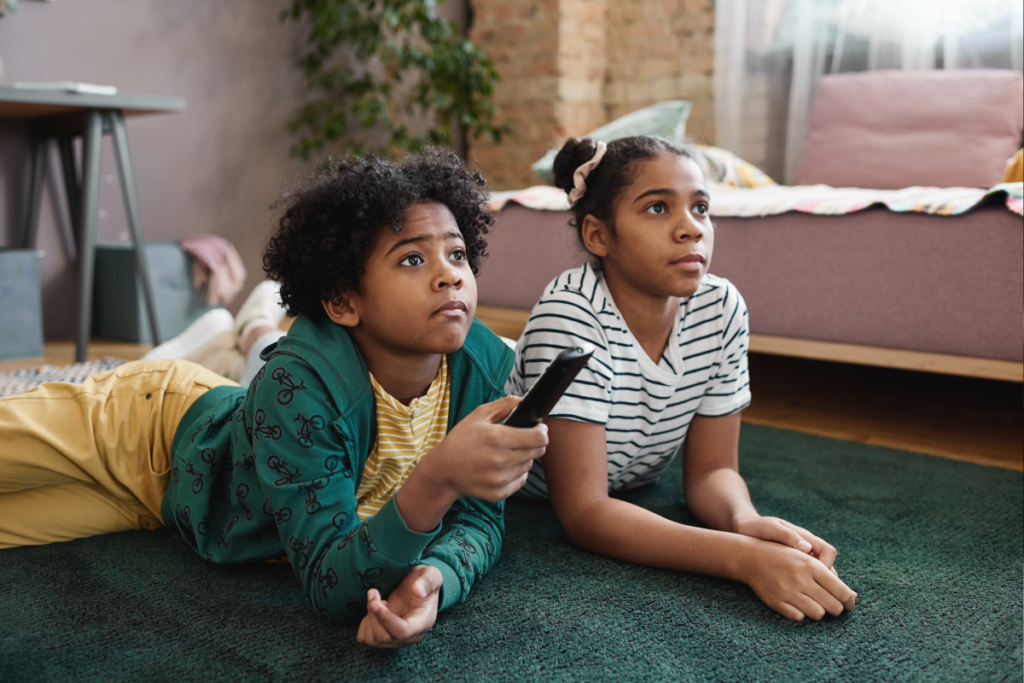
x: 510, y: 322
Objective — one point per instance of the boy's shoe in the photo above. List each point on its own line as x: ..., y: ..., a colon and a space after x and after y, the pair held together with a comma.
x: 221, y: 355
x: 261, y: 307
x: 208, y: 326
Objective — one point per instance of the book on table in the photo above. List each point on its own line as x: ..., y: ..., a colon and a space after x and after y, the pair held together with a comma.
x: 69, y: 86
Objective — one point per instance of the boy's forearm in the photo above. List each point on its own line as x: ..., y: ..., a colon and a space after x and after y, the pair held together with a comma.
x: 424, y: 498
x: 624, y: 531
x: 718, y: 497
x: 468, y: 545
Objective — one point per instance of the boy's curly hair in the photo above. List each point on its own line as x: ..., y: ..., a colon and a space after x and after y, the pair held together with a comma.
x: 329, y: 224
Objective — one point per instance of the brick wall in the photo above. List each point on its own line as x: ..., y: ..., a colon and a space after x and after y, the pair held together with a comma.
x: 569, y: 66
x: 522, y: 39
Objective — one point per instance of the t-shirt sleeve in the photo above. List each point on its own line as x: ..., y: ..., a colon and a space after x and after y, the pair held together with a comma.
x: 561, y: 320
x: 728, y: 390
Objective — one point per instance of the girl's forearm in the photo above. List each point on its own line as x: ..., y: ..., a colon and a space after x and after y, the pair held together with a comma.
x: 718, y: 497
x: 624, y: 531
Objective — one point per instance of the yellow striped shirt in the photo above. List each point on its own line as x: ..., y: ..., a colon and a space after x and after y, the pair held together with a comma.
x: 404, y: 434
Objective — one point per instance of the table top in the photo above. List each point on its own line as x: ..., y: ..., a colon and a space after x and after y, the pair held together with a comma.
x: 24, y: 103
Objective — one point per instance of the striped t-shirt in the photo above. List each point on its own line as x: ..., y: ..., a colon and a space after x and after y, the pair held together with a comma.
x: 405, y: 433
x: 645, y: 406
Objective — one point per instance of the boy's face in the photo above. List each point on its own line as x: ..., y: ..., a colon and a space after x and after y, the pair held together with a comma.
x: 418, y: 295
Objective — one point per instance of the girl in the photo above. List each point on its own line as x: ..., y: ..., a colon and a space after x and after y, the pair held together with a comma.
x: 670, y: 370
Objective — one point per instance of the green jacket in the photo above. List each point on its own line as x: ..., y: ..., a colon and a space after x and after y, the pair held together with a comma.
x: 274, y: 470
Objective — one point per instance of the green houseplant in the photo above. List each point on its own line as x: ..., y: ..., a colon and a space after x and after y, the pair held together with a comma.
x: 378, y: 65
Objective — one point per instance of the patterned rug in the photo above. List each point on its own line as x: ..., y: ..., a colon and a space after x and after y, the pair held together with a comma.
x: 20, y: 381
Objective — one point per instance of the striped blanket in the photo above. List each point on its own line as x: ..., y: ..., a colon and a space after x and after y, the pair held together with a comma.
x: 768, y: 200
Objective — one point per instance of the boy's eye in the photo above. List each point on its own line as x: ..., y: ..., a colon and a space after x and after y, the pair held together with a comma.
x: 656, y: 209
x: 411, y: 260
x: 458, y: 255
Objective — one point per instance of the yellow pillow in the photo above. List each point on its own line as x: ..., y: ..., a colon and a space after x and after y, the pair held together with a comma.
x: 722, y: 166
x: 1014, y: 172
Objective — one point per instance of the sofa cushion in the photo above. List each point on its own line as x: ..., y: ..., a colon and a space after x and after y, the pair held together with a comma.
x: 667, y: 119
x: 895, y: 129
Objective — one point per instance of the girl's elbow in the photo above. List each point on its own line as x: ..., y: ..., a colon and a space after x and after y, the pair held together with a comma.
x: 581, y: 522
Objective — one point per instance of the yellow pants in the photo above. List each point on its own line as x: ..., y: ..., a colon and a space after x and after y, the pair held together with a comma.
x: 79, y: 460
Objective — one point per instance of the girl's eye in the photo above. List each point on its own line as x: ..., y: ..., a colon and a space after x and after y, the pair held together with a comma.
x: 656, y: 209
x: 458, y: 255
x: 702, y: 209
x: 411, y: 260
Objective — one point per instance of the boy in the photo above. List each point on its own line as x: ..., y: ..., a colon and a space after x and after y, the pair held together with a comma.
x: 344, y: 454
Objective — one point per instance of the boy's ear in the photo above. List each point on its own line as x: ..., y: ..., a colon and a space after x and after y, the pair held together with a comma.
x: 596, y: 236
x: 340, y: 310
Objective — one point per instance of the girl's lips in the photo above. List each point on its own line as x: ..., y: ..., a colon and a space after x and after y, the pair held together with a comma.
x: 691, y: 263
x: 452, y: 309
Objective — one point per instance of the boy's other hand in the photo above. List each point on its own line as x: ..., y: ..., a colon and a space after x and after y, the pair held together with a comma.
x: 408, y: 613
x: 781, y: 531
x: 795, y: 584
x: 482, y: 458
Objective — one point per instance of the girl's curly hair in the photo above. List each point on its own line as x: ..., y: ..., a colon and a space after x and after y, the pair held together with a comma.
x: 329, y: 224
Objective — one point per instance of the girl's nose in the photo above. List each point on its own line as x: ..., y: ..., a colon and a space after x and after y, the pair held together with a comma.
x: 688, y: 228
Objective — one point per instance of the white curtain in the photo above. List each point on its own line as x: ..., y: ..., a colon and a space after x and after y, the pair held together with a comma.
x: 769, y: 55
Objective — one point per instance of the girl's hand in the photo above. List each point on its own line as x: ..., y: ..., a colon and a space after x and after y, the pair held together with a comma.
x: 796, y: 585
x: 781, y: 531
x: 408, y: 613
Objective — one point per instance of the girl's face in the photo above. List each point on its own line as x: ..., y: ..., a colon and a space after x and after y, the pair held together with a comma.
x: 663, y: 234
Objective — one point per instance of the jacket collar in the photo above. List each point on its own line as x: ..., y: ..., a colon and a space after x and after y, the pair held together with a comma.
x: 331, y: 349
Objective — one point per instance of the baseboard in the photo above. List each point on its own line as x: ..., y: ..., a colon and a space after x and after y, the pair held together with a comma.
x: 947, y: 364
x: 510, y: 322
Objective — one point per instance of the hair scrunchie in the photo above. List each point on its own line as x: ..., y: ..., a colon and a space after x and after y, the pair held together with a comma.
x: 579, y: 186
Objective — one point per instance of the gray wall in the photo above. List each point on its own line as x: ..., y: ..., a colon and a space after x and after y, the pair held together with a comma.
x: 213, y: 169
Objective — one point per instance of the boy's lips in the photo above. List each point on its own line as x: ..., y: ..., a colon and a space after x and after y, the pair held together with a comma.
x: 691, y: 263
x: 452, y: 309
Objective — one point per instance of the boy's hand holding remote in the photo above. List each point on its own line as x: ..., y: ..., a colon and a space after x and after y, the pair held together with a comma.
x: 479, y: 458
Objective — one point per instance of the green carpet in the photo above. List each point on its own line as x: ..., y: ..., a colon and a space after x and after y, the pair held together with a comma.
x: 934, y: 547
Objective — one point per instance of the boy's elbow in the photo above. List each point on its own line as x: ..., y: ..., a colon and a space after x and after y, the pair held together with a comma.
x: 333, y: 601
x: 337, y: 613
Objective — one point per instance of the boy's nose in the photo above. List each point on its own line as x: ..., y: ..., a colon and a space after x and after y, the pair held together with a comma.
x: 448, y: 277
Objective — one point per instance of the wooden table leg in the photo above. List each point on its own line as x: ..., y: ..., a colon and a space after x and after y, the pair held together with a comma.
x: 87, y: 220
x: 131, y: 206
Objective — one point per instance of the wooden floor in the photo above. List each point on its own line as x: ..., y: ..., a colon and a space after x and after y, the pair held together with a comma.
x: 963, y: 418
x: 63, y: 353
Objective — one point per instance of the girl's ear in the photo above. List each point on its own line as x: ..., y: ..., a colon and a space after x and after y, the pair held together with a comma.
x: 341, y: 309
x: 596, y: 236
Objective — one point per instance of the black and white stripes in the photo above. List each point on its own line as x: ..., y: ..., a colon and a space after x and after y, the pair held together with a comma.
x: 645, y: 407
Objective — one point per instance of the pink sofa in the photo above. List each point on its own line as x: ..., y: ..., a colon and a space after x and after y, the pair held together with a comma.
x: 874, y: 279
